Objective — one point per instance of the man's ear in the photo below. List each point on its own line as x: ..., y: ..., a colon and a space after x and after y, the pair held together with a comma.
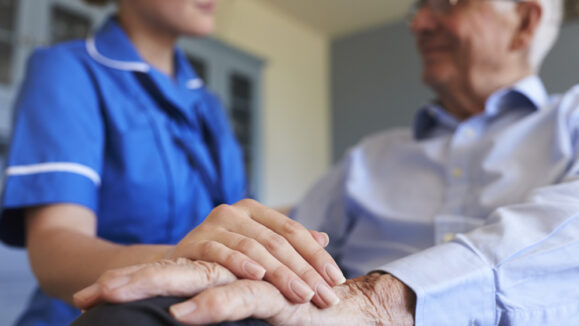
x: 529, y: 13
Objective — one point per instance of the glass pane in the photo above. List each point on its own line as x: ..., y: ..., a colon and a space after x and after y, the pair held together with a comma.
x: 200, y: 67
x: 7, y: 15
x: 241, y: 115
x: 5, y: 62
x: 68, y: 25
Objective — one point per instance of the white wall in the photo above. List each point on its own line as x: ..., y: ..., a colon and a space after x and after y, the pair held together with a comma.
x: 295, y: 120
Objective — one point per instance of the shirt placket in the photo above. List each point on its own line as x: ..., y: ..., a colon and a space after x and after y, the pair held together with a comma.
x: 461, y: 149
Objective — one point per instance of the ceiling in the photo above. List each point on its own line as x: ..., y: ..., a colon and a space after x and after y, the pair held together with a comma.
x: 341, y: 17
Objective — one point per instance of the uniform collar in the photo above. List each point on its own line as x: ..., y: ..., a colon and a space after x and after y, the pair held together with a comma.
x: 111, y: 47
x: 528, y: 93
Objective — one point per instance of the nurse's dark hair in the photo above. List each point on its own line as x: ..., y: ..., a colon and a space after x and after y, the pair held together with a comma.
x: 97, y: 2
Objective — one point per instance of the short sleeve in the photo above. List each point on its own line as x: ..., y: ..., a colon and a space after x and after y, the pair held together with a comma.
x: 57, y: 142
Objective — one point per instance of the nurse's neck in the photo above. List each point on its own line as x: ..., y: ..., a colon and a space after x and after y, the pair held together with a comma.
x: 155, y: 45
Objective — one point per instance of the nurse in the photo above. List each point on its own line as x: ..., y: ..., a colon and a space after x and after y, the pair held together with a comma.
x: 119, y: 153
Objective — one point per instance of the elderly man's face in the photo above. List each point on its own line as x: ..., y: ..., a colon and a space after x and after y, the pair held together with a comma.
x: 464, y: 45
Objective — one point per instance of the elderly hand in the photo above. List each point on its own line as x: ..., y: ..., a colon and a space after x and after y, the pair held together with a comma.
x: 256, y: 242
x: 367, y: 300
x: 176, y: 277
x: 373, y: 299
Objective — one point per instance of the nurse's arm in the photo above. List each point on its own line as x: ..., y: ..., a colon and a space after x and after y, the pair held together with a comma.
x: 66, y: 255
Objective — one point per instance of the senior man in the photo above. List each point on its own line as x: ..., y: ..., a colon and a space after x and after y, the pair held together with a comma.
x: 469, y: 218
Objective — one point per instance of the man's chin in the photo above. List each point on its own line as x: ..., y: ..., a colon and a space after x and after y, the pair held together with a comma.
x: 436, y: 78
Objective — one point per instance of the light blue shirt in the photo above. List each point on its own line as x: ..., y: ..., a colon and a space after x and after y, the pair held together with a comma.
x: 479, y: 217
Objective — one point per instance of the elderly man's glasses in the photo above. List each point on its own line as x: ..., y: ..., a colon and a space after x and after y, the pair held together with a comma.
x: 443, y: 6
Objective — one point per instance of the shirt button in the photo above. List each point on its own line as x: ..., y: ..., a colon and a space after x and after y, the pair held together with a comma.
x: 457, y: 172
x: 448, y: 237
x: 469, y: 132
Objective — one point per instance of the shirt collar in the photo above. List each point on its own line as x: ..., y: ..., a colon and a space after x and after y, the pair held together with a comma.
x: 532, y: 87
x: 528, y: 93
x: 111, y: 47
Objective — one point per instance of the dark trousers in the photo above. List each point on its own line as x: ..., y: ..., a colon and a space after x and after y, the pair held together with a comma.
x: 149, y: 312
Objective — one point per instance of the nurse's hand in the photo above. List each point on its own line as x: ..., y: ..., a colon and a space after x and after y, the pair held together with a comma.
x: 175, y: 277
x: 255, y: 242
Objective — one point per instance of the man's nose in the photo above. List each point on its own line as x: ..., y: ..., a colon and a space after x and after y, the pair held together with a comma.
x: 423, y: 20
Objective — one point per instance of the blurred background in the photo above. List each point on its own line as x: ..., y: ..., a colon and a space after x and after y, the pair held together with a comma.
x: 303, y: 80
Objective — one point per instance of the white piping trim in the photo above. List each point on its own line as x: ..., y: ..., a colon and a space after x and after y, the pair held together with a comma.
x: 121, y: 65
x: 195, y: 83
x: 55, y: 167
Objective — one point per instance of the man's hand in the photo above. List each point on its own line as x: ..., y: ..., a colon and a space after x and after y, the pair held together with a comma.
x: 374, y: 299
x: 255, y: 242
x: 174, y: 277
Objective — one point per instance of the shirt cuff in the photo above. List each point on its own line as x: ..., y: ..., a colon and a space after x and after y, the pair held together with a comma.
x: 453, y: 286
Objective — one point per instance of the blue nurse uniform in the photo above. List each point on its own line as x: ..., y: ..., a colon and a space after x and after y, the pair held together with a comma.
x: 97, y: 126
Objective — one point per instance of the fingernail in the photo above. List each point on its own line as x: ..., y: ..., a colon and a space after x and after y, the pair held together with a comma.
x: 327, y: 294
x: 87, y: 293
x: 335, y: 274
x: 183, y: 309
x: 254, y: 269
x: 326, y: 239
x: 117, y: 282
x: 302, y: 290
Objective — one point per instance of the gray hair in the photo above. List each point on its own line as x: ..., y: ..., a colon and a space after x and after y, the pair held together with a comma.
x: 547, y: 32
